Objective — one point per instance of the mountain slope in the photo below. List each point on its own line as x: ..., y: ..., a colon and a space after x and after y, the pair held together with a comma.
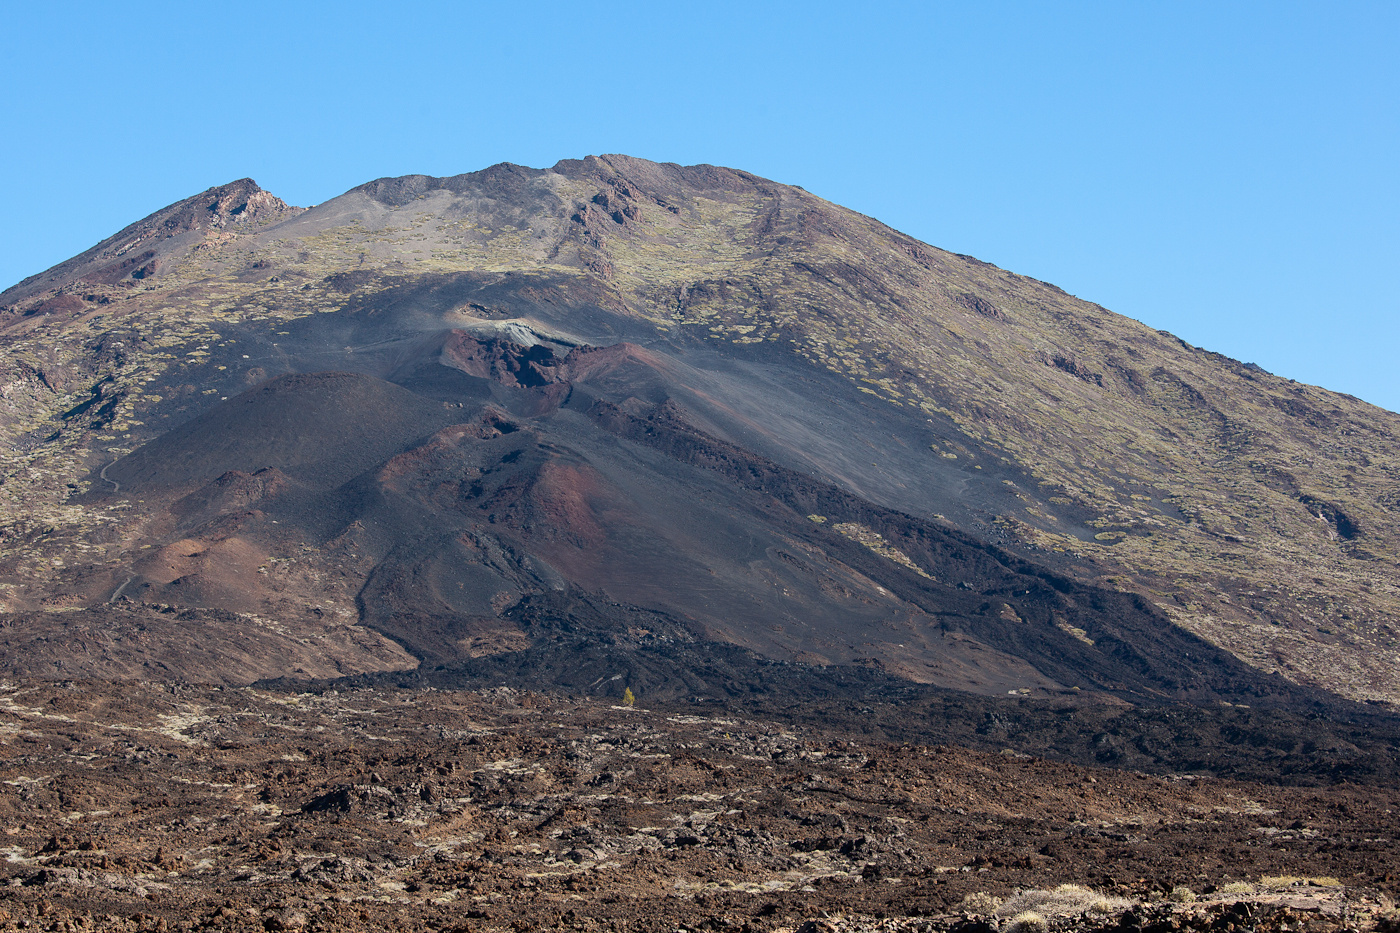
x: 691, y: 393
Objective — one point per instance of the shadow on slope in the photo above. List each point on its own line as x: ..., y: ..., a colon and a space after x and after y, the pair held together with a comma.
x: 318, y: 428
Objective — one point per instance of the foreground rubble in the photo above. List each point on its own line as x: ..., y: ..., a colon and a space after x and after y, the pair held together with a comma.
x: 148, y: 807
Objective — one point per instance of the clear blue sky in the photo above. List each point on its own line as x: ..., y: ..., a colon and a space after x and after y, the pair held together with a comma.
x: 1227, y: 172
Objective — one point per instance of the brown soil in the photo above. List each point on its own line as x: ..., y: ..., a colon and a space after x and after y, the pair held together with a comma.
x: 146, y: 807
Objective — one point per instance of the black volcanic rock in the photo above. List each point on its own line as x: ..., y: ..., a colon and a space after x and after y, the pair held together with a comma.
x: 576, y: 495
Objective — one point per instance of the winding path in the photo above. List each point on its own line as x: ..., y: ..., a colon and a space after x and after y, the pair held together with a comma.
x: 102, y: 474
x: 113, y: 597
x: 116, y: 488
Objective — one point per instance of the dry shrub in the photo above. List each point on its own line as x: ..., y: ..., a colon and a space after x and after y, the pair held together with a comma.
x: 1067, y: 900
x: 1281, y: 882
x: 1028, y: 921
x: 1182, y: 895
x: 979, y: 902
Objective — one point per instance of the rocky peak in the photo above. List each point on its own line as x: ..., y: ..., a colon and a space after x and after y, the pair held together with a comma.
x: 144, y: 248
x: 236, y: 202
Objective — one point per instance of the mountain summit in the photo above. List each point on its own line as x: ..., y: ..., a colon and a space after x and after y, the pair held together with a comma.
x: 618, y: 423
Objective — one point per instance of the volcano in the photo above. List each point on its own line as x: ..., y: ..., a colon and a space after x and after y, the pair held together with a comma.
x: 681, y: 430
